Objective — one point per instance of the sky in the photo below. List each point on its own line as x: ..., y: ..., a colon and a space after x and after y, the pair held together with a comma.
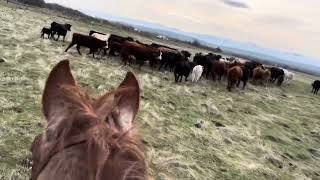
x: 285, y: 25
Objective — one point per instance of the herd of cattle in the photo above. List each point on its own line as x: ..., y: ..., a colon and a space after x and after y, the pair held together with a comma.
x: 165, y: 57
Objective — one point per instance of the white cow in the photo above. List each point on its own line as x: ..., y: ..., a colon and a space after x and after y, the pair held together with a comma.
x: 196, y: 73
x: 288, y: 76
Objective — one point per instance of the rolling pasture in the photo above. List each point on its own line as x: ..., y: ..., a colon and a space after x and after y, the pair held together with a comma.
x: 258, y: 133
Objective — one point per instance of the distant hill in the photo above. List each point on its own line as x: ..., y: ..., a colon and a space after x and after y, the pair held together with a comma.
x: 39, y: 3
x: 245, y: 50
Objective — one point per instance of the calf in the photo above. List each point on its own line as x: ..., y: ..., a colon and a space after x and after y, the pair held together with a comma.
x: 259, y: 74
x: 315, y: 86
x: 90, y: 42
x: 234, y: 76
x: 60, y: 30
x: 46, y: 31
x: 196, y: 73
x: 183, y: 69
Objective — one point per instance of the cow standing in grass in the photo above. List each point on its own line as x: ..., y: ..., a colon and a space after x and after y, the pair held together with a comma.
x: 90, y: 42
x: 196, y: 73
x: 115, y: 43
x: 60, y: 30
x: 141, y: 54
x: 183, y: 68
x: 262, y: 75
x: 315, y: 86
x: 234, y: 77
x: 104, y: 38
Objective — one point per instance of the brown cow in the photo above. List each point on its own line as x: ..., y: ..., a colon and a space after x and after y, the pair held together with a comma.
x: 262, y: 75
x: 90, y: 42
x: 88, y: 139
x: 219, y: 68
x: 141, y: 53
x: 234, y: 76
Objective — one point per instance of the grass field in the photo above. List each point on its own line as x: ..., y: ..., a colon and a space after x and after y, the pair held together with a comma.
x: 258, y: 133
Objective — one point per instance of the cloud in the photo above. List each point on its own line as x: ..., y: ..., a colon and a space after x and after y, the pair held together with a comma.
x: 236, y: 4
x: 281, y: 21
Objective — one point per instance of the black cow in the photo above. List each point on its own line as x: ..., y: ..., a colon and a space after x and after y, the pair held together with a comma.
x: 245, y: 76
x: 206, y: 61
x: 315, y: 87
x: 169, y: 58
x: 183, y: 69
x: 92, y: 32
x: 115, y: 43
x: 90, y: 42
x: 277, y: 74
x: 46, y: 31
x: 60, y: 30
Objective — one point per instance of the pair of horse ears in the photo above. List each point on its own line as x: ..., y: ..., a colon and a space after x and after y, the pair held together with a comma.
x: 124, y: 100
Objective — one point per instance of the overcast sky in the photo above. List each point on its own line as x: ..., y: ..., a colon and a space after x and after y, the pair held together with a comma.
x: 286, y: 25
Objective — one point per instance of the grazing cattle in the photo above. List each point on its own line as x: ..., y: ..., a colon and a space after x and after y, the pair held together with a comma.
x: 219, y: 68
x: 262, y: 75
x: 170, y: 58
x: 46, y: 31
x: 206, y: 61
x: 183, y: 68
x: 196, y: 73
x: 288, y: 76
x: 315, y: 87
x: 234, y: 77
x: 85, y: 138
x: 141, y: 53
x: 277, y: 74
x: 95, y: 32
x: 115, y: 43
x: 90, y: 42
x: 60, y: 30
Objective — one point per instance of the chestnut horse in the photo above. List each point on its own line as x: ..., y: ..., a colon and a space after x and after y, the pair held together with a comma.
x: 87, y: 139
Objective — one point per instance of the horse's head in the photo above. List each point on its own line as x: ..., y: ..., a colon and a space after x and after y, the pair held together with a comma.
x: 100, y: 131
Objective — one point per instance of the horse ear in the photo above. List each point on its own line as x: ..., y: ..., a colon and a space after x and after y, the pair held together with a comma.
x: 127, y: 99
x: 120, y: 107
x: 60, y: 75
